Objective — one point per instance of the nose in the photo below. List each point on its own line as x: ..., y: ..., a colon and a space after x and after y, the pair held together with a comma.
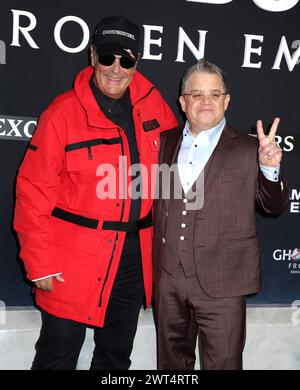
x: 116, y: 67
x: 205, y: 98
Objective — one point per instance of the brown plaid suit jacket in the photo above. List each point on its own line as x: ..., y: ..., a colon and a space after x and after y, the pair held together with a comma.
x: 225, y: 239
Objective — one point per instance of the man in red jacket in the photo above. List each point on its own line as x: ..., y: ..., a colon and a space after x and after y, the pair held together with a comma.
x: 85, y: 235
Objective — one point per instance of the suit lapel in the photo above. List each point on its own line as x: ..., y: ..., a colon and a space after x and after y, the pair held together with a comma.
x: 219, y: 157
x: 214, y: 166
x: 172, y: 144
x: 170, y: 150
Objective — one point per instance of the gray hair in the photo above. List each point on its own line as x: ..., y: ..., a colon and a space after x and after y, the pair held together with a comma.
x: 95, y: 55
x: 203, y: 66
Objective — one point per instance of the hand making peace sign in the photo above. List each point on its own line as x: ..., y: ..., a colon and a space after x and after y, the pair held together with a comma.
x: 269, y: 153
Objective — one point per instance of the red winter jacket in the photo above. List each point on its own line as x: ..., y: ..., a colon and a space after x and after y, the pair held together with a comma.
x: 72, y: 139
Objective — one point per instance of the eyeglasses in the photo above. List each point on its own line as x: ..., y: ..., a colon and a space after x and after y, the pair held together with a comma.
x: 109, y: 59
x: 197, y: 94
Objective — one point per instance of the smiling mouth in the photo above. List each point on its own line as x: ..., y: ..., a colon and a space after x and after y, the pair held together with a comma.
x: 113, y: 80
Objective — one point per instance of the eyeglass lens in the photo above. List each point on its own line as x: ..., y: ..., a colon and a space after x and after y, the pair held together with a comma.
x: 109, y: 59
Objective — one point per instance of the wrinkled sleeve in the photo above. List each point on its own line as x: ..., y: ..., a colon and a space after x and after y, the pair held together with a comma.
x: 271, y: 196
x: 37, y: 187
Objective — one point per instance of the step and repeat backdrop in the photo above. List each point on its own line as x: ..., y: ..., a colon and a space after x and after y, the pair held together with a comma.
x: 43, y: 45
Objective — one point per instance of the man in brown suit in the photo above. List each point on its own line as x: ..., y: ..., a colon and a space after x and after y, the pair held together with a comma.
x: 206, y: 256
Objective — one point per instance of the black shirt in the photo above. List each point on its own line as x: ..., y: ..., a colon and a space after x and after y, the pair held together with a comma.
x: 119, y: 111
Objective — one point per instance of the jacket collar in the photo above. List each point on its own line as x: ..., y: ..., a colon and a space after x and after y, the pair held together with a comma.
x: 139, y: 87
x: 220, y: 155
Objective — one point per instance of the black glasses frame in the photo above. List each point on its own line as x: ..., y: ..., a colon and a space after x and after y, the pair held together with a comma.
x: 109, y: 59
x: 214, y: 94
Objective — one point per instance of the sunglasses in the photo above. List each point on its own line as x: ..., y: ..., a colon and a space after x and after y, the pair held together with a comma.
x: 109, y: 59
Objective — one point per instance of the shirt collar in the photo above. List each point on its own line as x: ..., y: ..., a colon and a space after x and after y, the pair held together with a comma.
x: 210, y: 135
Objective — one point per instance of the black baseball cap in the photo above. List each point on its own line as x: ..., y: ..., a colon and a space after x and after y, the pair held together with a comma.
x: 117, y: 35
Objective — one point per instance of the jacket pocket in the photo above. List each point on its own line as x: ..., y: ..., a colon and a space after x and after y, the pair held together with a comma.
x: 241, y: 238
x: 79, y: 238
x: 89, y: 154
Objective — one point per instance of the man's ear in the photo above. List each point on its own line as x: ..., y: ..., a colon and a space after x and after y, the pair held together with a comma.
x: 226, y: 103
x: 182, y: 103
x: 92, y: 54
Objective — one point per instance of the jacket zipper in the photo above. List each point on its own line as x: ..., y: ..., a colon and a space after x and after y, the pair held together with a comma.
x: 91, y: 142
x: 123, y: 204
x: 90, y: 153
x: 117, y: 237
